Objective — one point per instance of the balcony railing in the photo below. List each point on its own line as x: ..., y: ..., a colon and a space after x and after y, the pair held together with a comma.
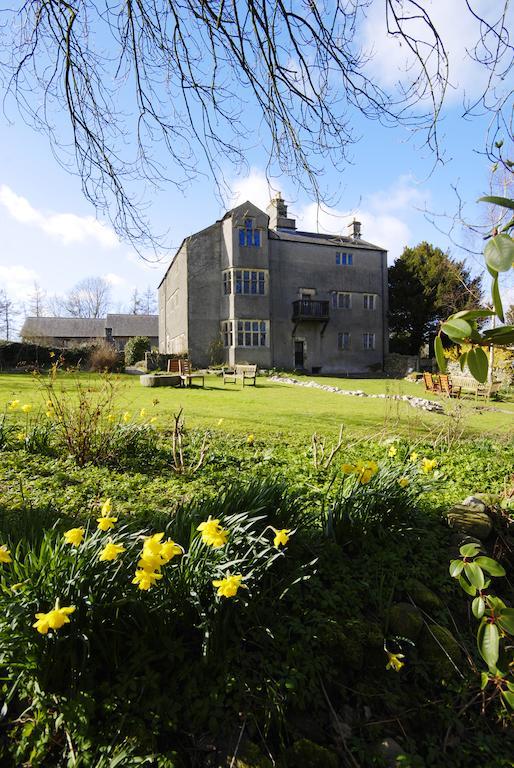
x: 309, y: 309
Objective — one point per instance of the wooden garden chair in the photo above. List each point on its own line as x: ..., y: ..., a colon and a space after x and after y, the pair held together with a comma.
x: 186, y: 373
x: 447, y: 388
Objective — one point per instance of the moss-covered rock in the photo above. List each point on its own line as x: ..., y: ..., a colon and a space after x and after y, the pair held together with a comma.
x: 463, y: 519
x: 423, y: 596
x: 405, y: 620
x: 438, y: 648
x: 307, y: 754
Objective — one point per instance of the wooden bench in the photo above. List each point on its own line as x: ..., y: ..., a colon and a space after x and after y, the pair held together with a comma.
x: 184, y: 369
x: 247, y: 374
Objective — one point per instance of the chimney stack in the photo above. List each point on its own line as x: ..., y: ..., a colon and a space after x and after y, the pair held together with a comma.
x: 277, y: 212
x: 355, y: 230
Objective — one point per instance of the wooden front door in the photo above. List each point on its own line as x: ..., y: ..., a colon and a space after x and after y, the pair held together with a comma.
x: 299, y: 354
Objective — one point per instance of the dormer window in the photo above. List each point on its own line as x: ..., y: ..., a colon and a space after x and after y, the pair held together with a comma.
x: 249, y: 235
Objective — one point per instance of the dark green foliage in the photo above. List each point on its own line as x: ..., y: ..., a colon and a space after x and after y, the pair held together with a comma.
x: 135, y: 349
x: 15, y: 354
x: 425, y: 286
x: 173, y: 676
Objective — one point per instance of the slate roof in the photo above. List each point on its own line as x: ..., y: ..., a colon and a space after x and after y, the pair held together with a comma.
x: 90, y: 328
x: 133, y: 325
x: 295, y: 235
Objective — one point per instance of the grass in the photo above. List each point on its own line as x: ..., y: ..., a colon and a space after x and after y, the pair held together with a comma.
x: 281, y: 409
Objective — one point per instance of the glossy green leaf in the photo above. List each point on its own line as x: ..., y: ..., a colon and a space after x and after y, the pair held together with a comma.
x: 488, y: 640
x: 478, y: 607
x: 478, y: 364
x: 490, y: 566
x: 462, y: 360
x: 503, y: 335
x: 505, y: 202
x: 492, y: 272
x: 457, y: 330
x: 456, y: 567
x: 508, y: 697
x: 497, y: 300
x: 499, y: 252
x: 469, y: 550
x: 439, y: 354
x: 484, y: 679
x: 467, y: 587
x: 471, y: 314
x: 506, y: 620
x: 474, y: 574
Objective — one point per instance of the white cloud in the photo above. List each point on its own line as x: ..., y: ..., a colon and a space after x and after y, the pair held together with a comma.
x: 393, y: 62
x: 114, y: 279
x: 66, y: 227
x: 254, y: 187
x: 18, y: 281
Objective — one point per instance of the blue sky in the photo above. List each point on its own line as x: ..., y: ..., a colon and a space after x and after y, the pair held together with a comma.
x: 50, y: 233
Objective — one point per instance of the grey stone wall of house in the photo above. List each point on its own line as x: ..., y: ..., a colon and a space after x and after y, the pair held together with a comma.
x: 297, y: 265
x: 309, y: 268
x: 173, y: 305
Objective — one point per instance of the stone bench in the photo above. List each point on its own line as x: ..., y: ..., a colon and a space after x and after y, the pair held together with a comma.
x: 160, y: 380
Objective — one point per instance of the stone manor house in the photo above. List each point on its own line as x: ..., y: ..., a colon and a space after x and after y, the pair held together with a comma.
x: 272, y: 295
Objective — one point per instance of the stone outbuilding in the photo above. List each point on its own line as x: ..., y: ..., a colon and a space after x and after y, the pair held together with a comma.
x: 73, y: 331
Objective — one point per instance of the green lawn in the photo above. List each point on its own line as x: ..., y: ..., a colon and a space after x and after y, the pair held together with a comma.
x: 277, y: 408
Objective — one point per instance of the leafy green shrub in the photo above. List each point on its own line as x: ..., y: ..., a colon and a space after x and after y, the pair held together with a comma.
x: 135, y: 349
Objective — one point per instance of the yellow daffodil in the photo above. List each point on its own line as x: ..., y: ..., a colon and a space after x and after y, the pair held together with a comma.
x: 106, y: 523
x: 414, y: 457
x: 220, y: 422
x: 52, y: 354
x: 26, y: 408
x: 281, y: 536
x: 74, y: 536
x: 126, y: 417
x: 365, y: 470
x: 348, y: 469
x: 110, y: 417
x: 146, y: 579
x: 394, y: 661
x: 21, y: 435
x: 427, y: 465
x: 403, y: 482
x: 392, y: 451
x: 50, y: 414
x: 54, y: 619
x: 169, y: 550
x: 111, y: 551
x: 213, y: 534
x: 228, y: 586
x: 14, y: 405
x: 250, y: 440
x: 49, y: 404
x: 142, y: 413
x: 5, y: 555
x: 106, y: 508
x: 153, y: 419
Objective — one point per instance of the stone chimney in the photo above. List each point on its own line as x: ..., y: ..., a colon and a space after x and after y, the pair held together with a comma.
x: 277, y: 212
x: 355, y: 230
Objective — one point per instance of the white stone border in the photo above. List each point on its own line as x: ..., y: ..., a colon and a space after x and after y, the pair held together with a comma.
x: 415, y: 402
